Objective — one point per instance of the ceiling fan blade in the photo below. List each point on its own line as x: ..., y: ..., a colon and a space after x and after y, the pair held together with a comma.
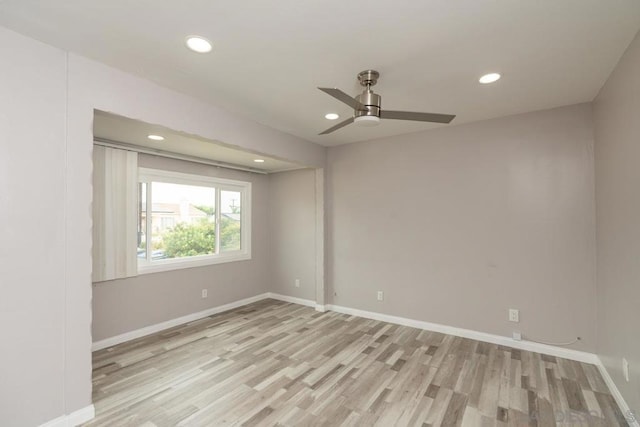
x: 338, y: 126
x: 343, y: 97
x: 418, y: 117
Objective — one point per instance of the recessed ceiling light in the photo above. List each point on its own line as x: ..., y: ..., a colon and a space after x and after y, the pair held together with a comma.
x: 489, y: 78
x: 156, y: 137
x: 331, y: 116
x: 198, y: 44
x: 258, y: 160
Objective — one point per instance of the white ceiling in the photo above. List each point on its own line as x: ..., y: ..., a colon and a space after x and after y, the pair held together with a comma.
x: 269, y: 57
x: 113, y: 128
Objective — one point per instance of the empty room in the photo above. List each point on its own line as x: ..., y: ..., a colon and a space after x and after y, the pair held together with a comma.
x: 305, y: 213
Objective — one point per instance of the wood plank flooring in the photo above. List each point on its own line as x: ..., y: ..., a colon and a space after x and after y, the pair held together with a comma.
x: 278, y: 364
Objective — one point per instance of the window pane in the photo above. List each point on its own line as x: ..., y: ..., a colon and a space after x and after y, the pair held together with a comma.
x: 142, y: 220
x: 183, y: 220
x: 230, y: 215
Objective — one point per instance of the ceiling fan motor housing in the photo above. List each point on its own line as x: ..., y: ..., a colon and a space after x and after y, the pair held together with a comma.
x: 371, y: 101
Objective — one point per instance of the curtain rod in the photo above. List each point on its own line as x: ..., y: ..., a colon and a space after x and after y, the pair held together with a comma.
x: 161, y: 153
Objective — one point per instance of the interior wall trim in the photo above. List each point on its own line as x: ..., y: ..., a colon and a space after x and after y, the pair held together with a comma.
x: 630, y: 416
x: 73, y: 419
x: 577, y: 355
x: 307, y: 302
x: 294, y: 300
x: 151, y: 329
x: 580, y: 356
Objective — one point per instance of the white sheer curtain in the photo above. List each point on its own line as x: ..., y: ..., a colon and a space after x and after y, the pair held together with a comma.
x: 115, y: 228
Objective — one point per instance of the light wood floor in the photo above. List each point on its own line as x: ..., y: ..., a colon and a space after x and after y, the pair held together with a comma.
x: 275, y: 363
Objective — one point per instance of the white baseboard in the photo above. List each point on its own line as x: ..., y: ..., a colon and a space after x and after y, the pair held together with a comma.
x: 81, y: 416
x: 147, y: 330
x: 128, y: 336
x: 580, y: 356
x: 294, y: 300
x: 73, y: 419
x: 87, y: 413
x: 631, y: 417
x: 577, y: 355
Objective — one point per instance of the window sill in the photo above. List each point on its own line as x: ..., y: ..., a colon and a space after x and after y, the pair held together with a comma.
x: 178, y: 264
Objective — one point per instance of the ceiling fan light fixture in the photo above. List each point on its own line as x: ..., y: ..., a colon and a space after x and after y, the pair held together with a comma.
x: 367, y: 121
x: 331, y: 116
x: 489, y: 78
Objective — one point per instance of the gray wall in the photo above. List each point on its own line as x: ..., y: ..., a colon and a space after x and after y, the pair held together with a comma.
x: 32, y: 225
x: 124, y: 305
x: 459, y: 224
x: 617, y: 154
x: 46, y: 113
x: 292, y: 222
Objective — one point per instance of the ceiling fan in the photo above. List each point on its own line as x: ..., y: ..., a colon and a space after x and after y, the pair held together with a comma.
x: 367, y: 110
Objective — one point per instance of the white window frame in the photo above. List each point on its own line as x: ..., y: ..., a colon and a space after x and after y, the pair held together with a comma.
x: 148, y: 176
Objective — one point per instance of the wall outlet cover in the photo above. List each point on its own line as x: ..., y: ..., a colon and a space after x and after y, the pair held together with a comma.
x: 205, y: 293
x: 514, y: 315
x: 297, y: 283
x: 380, y: 295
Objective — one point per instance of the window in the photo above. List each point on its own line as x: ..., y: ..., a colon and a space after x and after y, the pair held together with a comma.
x: 190, y: 220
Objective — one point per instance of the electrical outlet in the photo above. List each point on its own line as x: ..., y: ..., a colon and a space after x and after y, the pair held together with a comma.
x: 625, y: 369
x: 205, y: 293
x: 297, y: 283
x: 517, y: 336
x: 380, y: 295
x: 514, y: 315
